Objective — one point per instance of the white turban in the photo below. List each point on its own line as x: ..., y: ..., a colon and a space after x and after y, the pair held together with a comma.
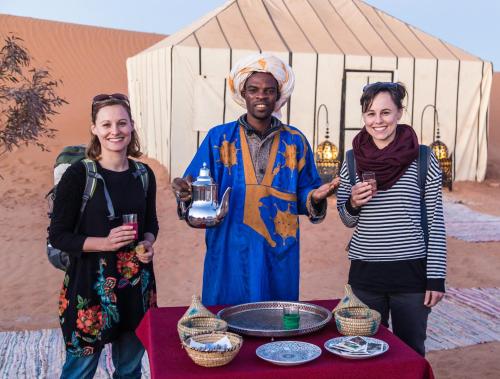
x: 264, y: 62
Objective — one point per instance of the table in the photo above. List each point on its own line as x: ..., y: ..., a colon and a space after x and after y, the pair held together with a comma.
x: 167, y: 359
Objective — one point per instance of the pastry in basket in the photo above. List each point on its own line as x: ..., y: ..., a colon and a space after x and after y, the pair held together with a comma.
x: 140, y: 249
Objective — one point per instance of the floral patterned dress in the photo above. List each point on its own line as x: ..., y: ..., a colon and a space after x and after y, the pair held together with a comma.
x: 103, y: 293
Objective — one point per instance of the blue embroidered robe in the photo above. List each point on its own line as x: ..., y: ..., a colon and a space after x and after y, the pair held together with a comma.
x: 253, y: 255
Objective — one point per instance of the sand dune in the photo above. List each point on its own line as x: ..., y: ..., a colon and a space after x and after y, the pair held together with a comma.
x: 89, y: 60
x: 92, y: 60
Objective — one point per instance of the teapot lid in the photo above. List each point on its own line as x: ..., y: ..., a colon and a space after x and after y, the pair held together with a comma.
x: 204, y: 178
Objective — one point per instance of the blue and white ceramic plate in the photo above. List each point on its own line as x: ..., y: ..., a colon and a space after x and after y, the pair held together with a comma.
x: 288, y: 353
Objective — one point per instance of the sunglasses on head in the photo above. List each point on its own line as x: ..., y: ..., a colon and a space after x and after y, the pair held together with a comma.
x: 380, y: 85
x: 114, y: 96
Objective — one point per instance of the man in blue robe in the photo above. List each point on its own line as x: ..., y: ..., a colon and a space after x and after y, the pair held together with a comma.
x: 253, y: 254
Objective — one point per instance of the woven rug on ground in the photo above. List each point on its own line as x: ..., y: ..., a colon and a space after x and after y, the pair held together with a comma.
x: 468, y: 225
x: 466, y: 316
x: 39, y: 354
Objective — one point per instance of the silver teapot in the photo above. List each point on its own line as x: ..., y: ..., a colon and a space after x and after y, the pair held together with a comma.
x: 204, y: 210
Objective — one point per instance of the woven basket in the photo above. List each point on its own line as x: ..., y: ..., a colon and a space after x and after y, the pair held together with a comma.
x: 357, y: 321
x: 213, y: 358
x: 190, y: 326
x: 353, y: 317
x: 350, y: 300
x: 197, y: 309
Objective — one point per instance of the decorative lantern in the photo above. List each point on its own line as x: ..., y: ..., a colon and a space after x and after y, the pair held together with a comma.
x: 441, y: 152
x: 439, y: 148
x: 445, y: 162
x: 326, y: 155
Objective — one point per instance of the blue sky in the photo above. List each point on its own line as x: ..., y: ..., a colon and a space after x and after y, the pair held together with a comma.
x: 471, y: 25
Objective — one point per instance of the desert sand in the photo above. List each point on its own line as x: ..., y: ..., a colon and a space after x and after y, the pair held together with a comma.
x: 92, y: 60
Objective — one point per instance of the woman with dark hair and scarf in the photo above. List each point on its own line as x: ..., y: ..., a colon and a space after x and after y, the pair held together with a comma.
x: 392, y: 270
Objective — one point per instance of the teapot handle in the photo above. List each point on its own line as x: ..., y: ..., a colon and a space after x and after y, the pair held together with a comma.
x: 182, y: 209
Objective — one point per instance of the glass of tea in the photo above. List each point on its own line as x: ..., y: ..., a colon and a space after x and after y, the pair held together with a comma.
x: 369, y: 177
x: 131, y: 219
x: 291, y: 316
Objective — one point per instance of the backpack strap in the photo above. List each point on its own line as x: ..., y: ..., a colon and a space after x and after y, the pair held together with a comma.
x: 142, y: 172
x: 351, y: 166
x: 424, y: 156
x: 90, y: 185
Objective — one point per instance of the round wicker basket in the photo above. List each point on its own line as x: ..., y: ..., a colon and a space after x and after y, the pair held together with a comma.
x: 189, y: 326
x: 213, y: 358
x: 357, y: 321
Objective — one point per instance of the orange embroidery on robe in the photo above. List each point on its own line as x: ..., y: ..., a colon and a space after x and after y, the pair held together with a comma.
x: 227, y: 153
x: 253, y: 201
x: 254, y: 193
x: 290, y: 155
x: 302, y: 161
x: 285, y: 224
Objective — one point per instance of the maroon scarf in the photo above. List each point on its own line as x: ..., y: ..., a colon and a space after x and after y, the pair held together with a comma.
x: 389, y: 163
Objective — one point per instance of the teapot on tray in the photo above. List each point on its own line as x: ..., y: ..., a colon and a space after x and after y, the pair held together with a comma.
x: 204, y: 210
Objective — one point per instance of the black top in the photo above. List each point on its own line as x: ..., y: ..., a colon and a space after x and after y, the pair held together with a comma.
x: 395, y: 277
x: 104, y: 293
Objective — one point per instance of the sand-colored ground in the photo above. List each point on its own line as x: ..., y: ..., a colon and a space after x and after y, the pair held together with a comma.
x: 29, y: 285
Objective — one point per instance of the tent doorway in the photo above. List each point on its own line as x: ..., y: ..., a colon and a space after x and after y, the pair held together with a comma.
x: 350, y: 117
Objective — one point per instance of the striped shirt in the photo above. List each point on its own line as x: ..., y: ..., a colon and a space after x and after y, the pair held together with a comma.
x: 388, y: 227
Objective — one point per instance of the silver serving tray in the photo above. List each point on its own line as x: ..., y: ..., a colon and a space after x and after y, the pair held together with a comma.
x: 265, y: 319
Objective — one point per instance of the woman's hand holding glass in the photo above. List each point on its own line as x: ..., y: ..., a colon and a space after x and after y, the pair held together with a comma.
x: 361, y: 193
x: 119, y: 237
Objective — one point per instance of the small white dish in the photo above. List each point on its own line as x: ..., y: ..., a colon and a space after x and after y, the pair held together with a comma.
x: 332, y: 346
x: 288, y: 353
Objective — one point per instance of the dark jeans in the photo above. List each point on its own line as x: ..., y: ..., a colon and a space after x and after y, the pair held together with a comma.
x: 408, y: 314
x: 127, y: 354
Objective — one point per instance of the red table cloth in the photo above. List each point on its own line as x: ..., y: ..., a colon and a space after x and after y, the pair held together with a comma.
x: 167, y: 359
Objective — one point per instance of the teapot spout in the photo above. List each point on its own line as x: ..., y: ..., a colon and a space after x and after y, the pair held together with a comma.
x: 224, y: 205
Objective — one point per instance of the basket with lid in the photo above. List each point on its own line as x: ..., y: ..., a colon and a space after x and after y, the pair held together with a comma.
x: 198, y: 319
x: 190, y: 326
x: 353, y: 317
x: 196, y: 308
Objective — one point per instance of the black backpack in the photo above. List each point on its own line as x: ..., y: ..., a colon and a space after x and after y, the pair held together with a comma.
x: 69, y: 155
x: 424, y: 155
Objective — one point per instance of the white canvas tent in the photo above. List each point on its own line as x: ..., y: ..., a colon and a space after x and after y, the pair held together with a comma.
x: 178, y: 87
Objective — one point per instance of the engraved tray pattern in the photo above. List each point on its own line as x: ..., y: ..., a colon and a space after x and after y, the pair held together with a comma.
x: 265, y: 319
